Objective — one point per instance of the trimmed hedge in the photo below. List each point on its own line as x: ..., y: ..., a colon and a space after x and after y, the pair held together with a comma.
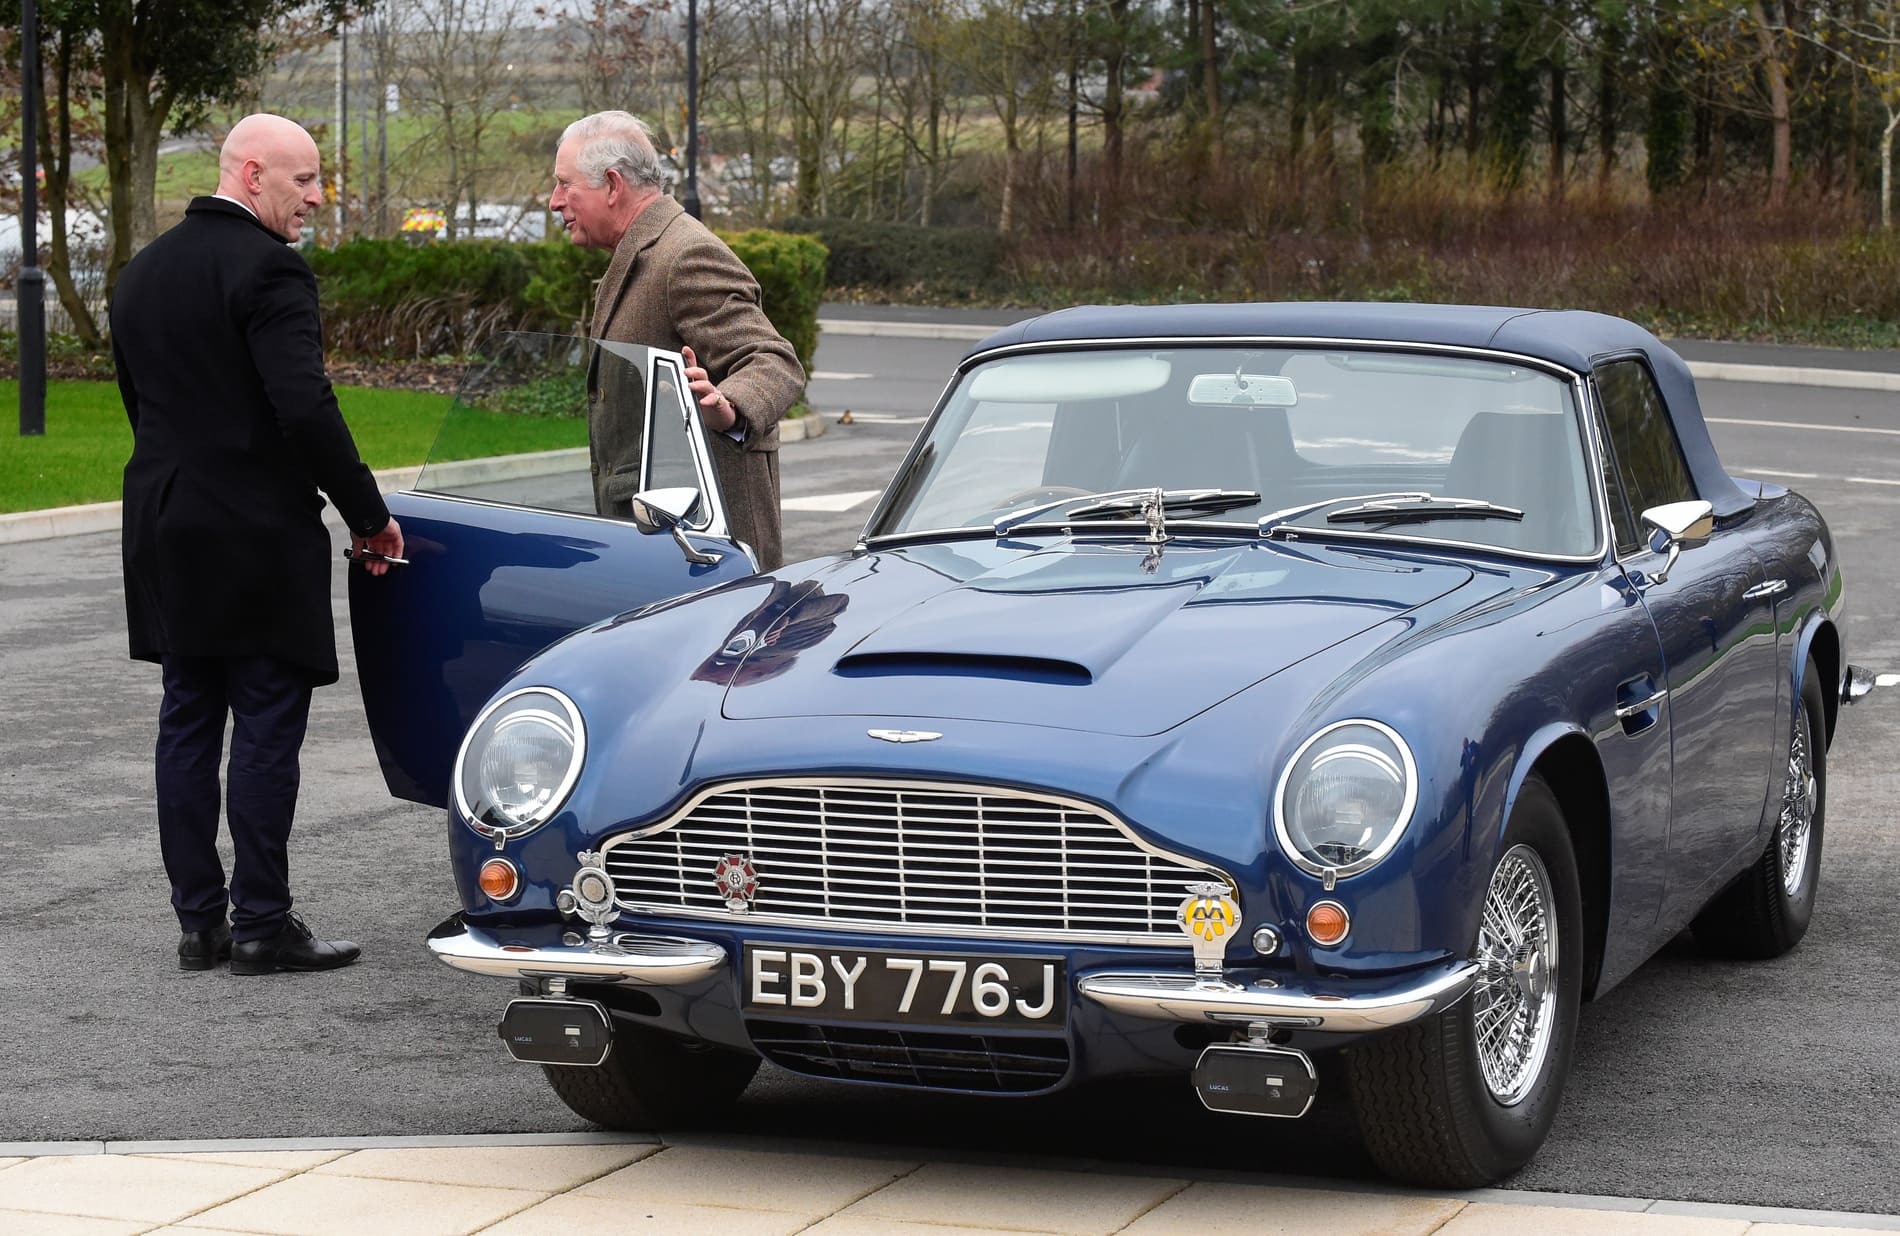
x: 389, y: 298
x: 907, y: 257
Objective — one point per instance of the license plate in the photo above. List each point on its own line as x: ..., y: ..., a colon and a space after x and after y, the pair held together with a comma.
x: 933, y: 989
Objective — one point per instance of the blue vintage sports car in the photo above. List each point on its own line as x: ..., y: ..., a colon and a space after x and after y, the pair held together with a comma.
x: 1212, y: 685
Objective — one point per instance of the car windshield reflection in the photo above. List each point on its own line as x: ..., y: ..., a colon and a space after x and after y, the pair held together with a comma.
x: 1022, y: 438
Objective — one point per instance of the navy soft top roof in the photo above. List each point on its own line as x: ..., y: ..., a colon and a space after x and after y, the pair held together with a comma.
x: 1571, y: 338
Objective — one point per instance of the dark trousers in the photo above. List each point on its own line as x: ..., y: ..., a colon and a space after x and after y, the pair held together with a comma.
x: 268, y: 701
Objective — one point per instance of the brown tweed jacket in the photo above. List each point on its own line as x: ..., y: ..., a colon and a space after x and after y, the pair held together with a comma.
x: 672, y: 283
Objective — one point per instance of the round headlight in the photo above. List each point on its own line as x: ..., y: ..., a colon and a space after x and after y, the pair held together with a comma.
x: 1345, y: 797
x: 519, y: 762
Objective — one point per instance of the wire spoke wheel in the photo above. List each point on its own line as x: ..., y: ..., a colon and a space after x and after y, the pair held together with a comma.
x: 1798, y: 799
x: 1514, y: 1001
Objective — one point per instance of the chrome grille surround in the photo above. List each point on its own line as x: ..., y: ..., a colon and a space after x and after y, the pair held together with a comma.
x: 913, y: 857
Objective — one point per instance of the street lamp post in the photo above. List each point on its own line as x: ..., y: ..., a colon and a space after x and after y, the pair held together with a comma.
x: 31, y: 289
x: 689, y: 197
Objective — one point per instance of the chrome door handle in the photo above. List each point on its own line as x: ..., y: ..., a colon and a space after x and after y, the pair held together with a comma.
x: 1767, y: 588
x: 1627, y: 711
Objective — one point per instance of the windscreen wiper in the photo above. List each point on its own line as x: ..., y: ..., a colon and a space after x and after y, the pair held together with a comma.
x: 1421, y: 508
x: 1124, y: 502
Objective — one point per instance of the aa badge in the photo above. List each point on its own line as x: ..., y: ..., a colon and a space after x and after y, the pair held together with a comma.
x: 1210, y: 913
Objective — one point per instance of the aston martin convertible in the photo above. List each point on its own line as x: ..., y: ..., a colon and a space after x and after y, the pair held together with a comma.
x: 1213, y: 688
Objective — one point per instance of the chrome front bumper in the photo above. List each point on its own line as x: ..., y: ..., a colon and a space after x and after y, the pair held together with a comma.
x: 1348, y: 1006
x: 623, y: 958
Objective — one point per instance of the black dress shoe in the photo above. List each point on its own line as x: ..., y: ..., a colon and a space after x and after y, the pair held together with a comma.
x: 292, y: 948
x: 201, y: 950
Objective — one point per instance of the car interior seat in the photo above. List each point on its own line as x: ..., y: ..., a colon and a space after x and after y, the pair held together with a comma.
x: 1531, y: 461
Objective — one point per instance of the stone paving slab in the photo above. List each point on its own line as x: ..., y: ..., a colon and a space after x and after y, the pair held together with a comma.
x: 1213, y: 1209
x: 526, y: 1185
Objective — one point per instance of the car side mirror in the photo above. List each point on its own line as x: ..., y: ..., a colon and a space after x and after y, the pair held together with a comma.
x: 1681, y: 524
x: 670, y: 510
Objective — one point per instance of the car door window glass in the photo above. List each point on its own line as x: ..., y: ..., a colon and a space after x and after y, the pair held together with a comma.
x: 517, y: 431
x: 1649, y: 460
x: 1622, y: 520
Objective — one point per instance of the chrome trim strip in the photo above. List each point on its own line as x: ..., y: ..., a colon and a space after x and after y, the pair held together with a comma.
x: 1355, y: 1008
x: 1627, y: 711
x: 725, y: 539
x: 1171, y: 937
x: 626, y: 959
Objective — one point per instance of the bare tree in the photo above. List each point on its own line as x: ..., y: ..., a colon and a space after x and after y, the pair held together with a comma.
x: 817, y: 55
x: 1008, y: 59
x: 456, y: 53
x: 918, y: 96
x: 735, y: 43
x: 1866, y: 37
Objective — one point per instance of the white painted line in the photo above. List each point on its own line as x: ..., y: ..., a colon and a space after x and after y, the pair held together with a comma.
x: 906, y: 330
x: 1814, y: 476
x: 1795, y: 375
x: 829, y: 502
x: 1731, y: 420
x: 888, y: 418
x: 829, y: 375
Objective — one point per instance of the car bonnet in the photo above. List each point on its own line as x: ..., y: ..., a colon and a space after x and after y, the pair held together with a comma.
x: 1110, y: 637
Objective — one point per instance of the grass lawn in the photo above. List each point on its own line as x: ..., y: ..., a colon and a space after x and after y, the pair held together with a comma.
x: 82, y: 456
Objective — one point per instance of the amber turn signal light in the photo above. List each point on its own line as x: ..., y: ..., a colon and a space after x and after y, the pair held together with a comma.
x: 499, y: 879
x: 1327, y: 922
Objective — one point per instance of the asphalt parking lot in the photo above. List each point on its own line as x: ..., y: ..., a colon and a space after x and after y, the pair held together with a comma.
x: 1766, y: 1083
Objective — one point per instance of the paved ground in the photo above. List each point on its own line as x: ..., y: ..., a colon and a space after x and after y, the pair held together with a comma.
x: 557, y: 1186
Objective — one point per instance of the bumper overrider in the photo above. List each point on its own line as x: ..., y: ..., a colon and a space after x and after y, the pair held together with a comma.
x: 1345, y: 1006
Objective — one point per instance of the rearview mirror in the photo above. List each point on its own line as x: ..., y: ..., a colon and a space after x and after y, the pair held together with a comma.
x: 1681, y: 524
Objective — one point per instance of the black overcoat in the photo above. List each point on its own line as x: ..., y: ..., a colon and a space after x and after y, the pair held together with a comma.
x: 219, y: 348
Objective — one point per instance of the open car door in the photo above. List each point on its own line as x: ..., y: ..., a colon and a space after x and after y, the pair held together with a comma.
x: 505, y: 553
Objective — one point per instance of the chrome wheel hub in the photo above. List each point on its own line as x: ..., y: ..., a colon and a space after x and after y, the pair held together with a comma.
x: 1514, y: 1002
x: 1799, y: 797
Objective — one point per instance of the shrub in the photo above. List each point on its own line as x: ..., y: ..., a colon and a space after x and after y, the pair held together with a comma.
x: 388, y: 298
x: 909, y: 259
x: 791, y: 274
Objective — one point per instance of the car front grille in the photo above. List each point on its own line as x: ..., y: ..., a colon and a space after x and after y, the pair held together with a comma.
x: 940, y: 1060
x: 912, y: 857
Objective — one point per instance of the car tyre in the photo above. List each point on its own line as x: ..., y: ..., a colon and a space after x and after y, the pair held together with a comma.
x: 1434, y: 1107
x: 650, y: 1080
x: 1766, y: 911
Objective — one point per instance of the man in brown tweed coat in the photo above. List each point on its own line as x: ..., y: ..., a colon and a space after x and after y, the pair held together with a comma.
x: 672, y: 284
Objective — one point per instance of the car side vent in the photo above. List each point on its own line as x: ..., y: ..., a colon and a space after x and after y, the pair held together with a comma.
x: 964, y: 665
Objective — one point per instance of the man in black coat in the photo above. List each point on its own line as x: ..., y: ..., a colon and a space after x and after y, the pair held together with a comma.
x: 219, y: 349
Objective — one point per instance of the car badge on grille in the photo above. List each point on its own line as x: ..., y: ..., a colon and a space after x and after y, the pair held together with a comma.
x: 905, y: 735
x: 1208, y: 914
x: 738, y: 882
x: 591, y: 895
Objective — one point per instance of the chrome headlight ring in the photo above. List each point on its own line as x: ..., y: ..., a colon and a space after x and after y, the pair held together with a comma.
x: 1324, y: 772
x: 519, y: 762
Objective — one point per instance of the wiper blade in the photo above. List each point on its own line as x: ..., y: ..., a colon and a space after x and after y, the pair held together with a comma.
x: 1125, y: 501
x: 1421, y: 508
x: 1171, y: 500
x: 1006, y: 524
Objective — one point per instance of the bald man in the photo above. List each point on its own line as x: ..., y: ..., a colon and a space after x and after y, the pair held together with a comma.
x: 235, y: 429
x: 673, y: 284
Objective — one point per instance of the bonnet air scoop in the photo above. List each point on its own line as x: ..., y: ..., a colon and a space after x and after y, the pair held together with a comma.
x: 1050, y: 670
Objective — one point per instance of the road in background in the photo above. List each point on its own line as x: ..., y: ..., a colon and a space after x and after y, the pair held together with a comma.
x: 1767, y: 1083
